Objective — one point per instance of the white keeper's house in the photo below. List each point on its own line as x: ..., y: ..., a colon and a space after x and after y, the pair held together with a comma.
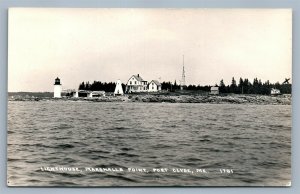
x: 137, y: 84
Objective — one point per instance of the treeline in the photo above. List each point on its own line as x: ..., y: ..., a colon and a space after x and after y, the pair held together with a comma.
x: 99, y: 86
x: 173, y: 87
x: 244, y: 86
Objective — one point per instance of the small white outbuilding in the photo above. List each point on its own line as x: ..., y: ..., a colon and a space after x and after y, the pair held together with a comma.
x: 118, y: 88
x: 275, y: 91
x: 154, y: 86
x: 214, y: 90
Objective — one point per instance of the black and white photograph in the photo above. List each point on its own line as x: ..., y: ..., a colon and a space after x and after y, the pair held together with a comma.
x: 149, y: 97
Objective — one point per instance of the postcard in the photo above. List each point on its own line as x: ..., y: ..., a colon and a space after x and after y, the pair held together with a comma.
x: 102, y: 97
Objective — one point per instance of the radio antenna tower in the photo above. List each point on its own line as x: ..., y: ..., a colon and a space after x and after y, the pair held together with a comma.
x: 182, y: 83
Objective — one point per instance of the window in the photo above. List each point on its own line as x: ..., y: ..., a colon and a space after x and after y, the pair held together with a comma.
x: 134, y: 82
x: 130, y: 82
x: 152, y: 88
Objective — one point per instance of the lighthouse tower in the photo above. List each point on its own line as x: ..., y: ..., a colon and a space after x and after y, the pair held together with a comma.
x: 57, y: 88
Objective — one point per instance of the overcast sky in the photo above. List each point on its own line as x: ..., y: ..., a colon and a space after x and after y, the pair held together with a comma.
x: 108, y: 44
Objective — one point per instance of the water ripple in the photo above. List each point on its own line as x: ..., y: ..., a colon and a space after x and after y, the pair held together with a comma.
x: 245, y: 138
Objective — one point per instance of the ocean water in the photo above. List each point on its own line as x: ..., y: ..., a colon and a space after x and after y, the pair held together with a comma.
x: 162, y: 144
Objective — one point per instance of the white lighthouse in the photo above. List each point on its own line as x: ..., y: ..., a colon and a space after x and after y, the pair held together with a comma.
x: 57, y: 88
x: 118, y: 89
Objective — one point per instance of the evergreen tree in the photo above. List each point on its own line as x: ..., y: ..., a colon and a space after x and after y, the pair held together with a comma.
x: 233, y: 86
x: 166, y: 86
x: 277, y: 85
x: 247, y: 86
x: 81, y: 86
x: 266, y: 89
x: 222, y: 88
x: 259, y: 87
x: 255, y: 86
x: 175, y: 86
x: 241, y: 86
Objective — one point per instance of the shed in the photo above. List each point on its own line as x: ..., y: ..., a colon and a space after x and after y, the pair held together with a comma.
x: 214, y: 90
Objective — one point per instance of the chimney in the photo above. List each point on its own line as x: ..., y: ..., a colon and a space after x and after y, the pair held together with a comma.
x: 138, y: 75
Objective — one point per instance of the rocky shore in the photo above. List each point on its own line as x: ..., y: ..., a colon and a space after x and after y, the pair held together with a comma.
x: 285, y: 99
x: 216, y: 99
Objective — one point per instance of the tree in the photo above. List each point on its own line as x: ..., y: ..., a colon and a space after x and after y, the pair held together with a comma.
x: 176, y: 86
x: 81, y: 86
x: 255, y: 86
x: 222, y: 87
x: 233, y: 86
x: 266, y: 88
x: 241, y: 86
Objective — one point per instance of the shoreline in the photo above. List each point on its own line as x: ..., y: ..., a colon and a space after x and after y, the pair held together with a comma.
x: 284, y: 99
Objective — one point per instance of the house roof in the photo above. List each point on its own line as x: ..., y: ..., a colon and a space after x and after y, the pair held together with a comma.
x: 138, y: 78
x: 156, y: 82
